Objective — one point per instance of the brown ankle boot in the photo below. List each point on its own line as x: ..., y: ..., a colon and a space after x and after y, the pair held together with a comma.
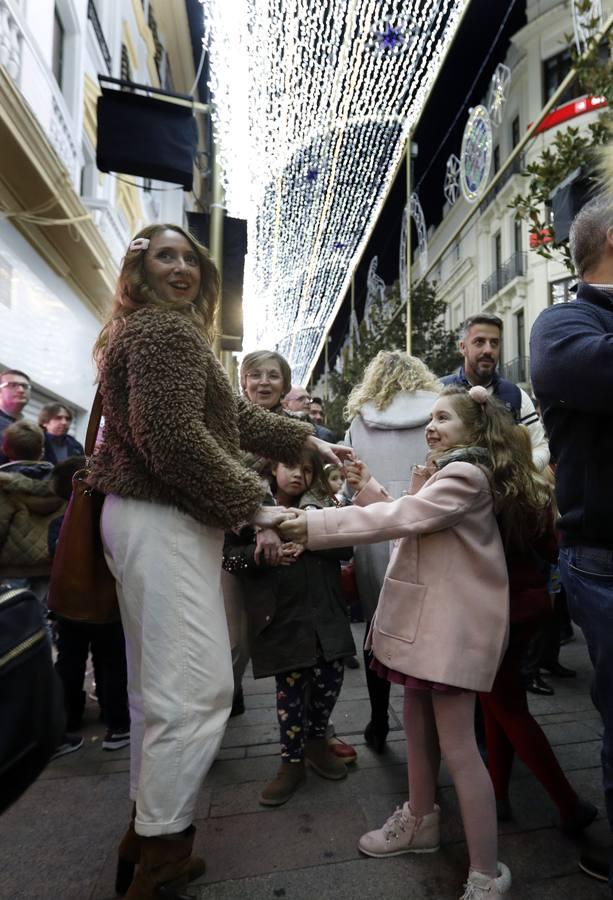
x: 319, y: 757
x: 166, y: 866
x: 284, y: 785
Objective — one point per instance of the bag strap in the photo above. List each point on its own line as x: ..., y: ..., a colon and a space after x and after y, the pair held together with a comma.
x: 93, y: 425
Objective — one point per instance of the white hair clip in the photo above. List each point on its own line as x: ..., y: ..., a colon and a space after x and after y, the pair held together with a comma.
x: 139, y: 244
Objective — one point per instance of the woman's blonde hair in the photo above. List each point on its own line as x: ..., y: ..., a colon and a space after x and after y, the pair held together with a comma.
x: 522, y: 496
x: 133, y: 291
x: 388, y: 373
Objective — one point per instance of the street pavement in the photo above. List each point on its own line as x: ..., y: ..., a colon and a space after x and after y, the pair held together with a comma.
x: 59, y: 840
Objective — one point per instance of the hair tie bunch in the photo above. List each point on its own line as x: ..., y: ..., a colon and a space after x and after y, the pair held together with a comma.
x: 479, y: 395
x: 139, y: 244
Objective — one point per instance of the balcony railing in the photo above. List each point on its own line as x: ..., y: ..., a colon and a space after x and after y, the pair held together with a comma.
x: 515, y: 265
x: 92, y: 15
x: 517, y: 370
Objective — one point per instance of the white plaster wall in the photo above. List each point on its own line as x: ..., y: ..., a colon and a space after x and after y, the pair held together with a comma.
x: 46, y: 331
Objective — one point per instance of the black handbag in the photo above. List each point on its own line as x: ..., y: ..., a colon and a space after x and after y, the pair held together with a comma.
x: 32, y: 718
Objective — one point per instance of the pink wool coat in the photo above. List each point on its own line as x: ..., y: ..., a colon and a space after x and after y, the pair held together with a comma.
x: 443, y: 612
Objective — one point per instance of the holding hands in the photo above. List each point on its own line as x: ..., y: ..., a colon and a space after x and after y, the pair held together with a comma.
x: 295, y: 529
x: 357, y: 474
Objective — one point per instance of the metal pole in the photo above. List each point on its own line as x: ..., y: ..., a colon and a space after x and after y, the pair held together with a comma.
x: 409, y: 165
x: 216, y: 216
x: 326, y: 369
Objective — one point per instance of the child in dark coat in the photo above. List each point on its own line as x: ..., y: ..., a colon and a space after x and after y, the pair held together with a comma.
x: 299, y: 630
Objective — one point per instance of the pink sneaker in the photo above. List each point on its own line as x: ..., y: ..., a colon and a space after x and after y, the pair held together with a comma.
x: 482, y: 887
x: 403, y: 833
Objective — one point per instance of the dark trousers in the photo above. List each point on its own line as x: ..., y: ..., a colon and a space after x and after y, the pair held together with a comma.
x: 510, y: 728
x: 305, y: 700
x: 74, y: 640
x: 587, y: 575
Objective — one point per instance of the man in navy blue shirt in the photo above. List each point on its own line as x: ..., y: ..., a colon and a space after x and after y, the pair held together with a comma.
x: 480, y: 345
x: 15, y: 389
x: 572, y: 373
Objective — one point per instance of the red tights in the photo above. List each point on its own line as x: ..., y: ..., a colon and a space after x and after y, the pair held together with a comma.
x: 510, y: 728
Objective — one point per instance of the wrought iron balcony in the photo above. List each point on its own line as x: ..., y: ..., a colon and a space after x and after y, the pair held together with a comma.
x: 92, y: 15
x: 512, y: 267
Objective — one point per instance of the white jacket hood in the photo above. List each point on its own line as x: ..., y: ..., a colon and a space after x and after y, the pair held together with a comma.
x: 407, y: 410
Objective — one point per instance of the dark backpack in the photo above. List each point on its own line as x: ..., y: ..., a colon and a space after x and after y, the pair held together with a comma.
x: 32, y: 717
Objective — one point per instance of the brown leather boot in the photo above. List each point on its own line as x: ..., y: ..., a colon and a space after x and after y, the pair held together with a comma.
x: 320, y: 758
x: 166, y: 865
x: 128, y: 856
x: 284, y: 785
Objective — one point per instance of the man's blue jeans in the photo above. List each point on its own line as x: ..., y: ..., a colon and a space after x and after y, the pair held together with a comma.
x: 587, y: 575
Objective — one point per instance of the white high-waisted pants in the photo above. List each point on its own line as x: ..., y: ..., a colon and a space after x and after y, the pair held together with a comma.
x: 167, y: 567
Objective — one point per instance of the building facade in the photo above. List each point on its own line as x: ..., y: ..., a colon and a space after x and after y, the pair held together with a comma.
x: 64, y: 225
x: 490, y: 267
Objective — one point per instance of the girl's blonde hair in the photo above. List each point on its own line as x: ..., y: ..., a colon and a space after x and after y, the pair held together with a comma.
x: 522, y: 496
x: 133, y: 291
x: 388, y: 373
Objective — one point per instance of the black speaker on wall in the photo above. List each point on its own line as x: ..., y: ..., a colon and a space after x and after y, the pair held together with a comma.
x: 567, y: 199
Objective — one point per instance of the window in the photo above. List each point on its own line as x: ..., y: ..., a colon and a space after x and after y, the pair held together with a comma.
x: 559, y: 291
x: 515, y: 132
x: 517, y: 236
x: 555, y: 70
x: 497, y: 251
x: 520, y: 333
x: 57, y: 49
x: 126, y: 71
x: 496, y: 158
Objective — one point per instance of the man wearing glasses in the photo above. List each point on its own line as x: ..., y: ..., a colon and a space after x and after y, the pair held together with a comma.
x: 15, y: 391
x: 298, y: 403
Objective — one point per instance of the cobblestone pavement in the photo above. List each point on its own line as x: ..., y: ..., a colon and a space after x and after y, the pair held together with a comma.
x: 59, y: 840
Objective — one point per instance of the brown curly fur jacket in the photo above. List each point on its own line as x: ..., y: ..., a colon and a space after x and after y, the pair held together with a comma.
x: 174, y: 428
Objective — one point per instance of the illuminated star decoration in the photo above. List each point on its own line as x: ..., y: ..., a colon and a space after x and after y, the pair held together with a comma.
x: 497, y: 94
x: 391, y: 38
x: 298, y: 85
x: 417, y: 214
x: 311, y: 175
x: 451, y: 187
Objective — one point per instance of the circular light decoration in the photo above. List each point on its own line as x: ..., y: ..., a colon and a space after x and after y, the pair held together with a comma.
x: 497, y: 94
x: 417, y: 214
x: 476, y: 156
x: 312, y: 106
x: 451, y: 188
x: 587, y: 21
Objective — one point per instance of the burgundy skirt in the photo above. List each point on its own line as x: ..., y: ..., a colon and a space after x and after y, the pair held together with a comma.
x: 409, y: 681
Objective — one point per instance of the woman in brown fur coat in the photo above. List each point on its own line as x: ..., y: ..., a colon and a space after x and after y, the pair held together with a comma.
x: 171, y: 468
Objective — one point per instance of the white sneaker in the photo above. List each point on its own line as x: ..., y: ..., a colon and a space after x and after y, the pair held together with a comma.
x: 482, y: 887
x: 403, y: 833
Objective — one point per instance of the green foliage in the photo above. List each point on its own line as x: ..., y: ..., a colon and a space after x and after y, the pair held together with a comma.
x: 570, y: 148
x: 386, y: 330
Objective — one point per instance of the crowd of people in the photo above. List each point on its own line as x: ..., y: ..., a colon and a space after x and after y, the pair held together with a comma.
x: 228, y: 520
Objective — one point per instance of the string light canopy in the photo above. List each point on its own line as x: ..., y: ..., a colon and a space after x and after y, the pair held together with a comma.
x: 313, y: 102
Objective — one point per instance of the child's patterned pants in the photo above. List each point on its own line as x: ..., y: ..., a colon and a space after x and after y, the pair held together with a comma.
x: 305, y: 700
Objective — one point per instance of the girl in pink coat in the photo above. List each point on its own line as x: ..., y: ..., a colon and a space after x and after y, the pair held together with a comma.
x: 441, y: 625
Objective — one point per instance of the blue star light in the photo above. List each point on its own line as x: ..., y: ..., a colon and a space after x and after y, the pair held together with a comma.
x: 391, y: 38
x: 311, y: 175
